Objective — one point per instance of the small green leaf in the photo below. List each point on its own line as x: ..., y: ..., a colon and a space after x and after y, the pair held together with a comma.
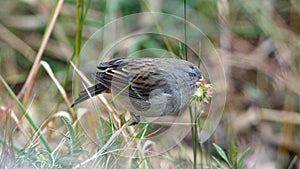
x: 218, y: 162
x: 70, y: 128
x: 104, y: 131
x: 240, y: 164
x: 78, y: 142
x: 142, y: 132
x: 32, y: 149
x: 234, y: 153
x: 222, y: 154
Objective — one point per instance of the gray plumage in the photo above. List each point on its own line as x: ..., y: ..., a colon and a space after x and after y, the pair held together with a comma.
x: 146, y: 86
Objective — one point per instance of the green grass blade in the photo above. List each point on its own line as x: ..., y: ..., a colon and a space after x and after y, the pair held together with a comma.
x: 27, y: 116
x: 70, y: 128
x: 218, y: 162
x: 240, y: 163
x: 222, y: 154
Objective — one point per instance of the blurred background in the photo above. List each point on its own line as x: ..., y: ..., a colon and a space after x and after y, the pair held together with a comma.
x: 257, y: 42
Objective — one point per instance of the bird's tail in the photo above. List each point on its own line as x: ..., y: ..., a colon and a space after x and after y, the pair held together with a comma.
x: 88, y: 93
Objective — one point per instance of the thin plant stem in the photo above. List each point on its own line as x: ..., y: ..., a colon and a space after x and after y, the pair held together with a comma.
x: 33, y: 72
x: 194, y: 137
x: 160, y: 30
x: 185, y: 34
x: 27, y: 116
x: 76, y: 52
x: 30, y: 80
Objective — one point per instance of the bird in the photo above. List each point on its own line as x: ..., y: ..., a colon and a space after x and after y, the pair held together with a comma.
x: 149, y: 87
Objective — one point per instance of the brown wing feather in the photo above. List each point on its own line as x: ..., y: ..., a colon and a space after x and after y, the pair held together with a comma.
x: 129, y: 76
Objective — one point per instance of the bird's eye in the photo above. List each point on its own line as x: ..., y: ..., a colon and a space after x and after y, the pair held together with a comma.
x: 192, y: 74
x: 193, y: 71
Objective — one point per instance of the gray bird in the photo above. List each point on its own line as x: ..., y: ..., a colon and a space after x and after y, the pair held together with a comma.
x: 149, y: 87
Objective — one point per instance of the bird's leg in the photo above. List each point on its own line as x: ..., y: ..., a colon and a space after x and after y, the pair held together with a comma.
x: 134, y: 119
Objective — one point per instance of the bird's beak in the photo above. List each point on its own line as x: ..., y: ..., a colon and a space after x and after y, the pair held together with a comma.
x: 201, y: 82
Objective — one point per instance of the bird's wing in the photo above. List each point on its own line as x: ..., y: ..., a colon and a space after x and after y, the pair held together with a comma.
x: 145, y: 82
x: 117, y: 81
x: 135, y: 78
x: 103, y: 78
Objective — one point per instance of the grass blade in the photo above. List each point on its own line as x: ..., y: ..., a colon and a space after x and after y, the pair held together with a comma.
x: 222, y: 154
x: 27, y: 116
x: 240, y: 163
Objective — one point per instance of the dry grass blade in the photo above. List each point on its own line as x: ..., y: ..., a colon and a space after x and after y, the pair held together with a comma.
x: 83, y: 77
x: 114, y: 114
x: 60, y: 88
x: 29, y: 82
x: 103, y: 149
x: 280, y: 116
x: 34, y: 69
x: 17, y: 43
